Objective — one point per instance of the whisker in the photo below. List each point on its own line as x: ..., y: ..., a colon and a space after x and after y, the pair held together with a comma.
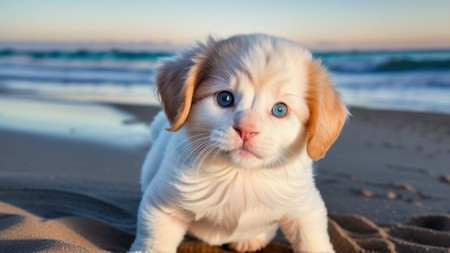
x: 189, y: 152
x: 202, y: 158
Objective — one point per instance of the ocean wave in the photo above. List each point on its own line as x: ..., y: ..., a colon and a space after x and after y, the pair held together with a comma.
x: 336, y: 61
x: 71, y: 74
x: 386, y: 61
x: 74, y: 79
x: 42, y: 67
x: 419, y: 80
x: 86, y: 54
x: 392, y: 65
x: 412, y: 65
x: 387, y: 80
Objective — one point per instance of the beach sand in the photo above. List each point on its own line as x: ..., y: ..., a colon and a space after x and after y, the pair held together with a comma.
x: 386, y: 183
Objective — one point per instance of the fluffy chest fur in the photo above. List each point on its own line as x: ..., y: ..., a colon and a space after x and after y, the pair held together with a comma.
x: 239, y: 190
x: 236, y: 199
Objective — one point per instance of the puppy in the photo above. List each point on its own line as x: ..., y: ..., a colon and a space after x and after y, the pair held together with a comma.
x: 231, y: 160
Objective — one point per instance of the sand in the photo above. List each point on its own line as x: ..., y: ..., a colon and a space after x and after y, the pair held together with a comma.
x: 385, y: 183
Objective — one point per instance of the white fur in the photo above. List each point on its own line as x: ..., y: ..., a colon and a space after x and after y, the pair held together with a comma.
x: 199, y: 180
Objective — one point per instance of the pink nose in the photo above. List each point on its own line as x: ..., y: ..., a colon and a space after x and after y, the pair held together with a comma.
x: 247, y: 125
x: 245, y: 132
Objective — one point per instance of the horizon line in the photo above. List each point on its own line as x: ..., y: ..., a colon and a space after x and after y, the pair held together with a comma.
x: 169, y: 45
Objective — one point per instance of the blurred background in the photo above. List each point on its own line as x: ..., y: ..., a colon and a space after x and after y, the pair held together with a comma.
x: 382, y: 54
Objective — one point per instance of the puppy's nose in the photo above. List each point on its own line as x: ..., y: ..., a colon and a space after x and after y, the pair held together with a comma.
x: 245, y: 132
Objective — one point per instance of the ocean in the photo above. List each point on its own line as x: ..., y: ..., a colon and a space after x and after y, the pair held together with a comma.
x: 397, y: 80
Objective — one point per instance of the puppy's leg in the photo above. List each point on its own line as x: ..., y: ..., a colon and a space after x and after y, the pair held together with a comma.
x: 157, y: 231
x: 256, y: 243
x: 308, y: 232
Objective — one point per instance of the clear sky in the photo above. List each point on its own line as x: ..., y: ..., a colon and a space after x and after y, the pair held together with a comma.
x: 316, y: 23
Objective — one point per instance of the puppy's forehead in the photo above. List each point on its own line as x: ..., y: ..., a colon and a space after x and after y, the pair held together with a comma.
x: 258, y: 58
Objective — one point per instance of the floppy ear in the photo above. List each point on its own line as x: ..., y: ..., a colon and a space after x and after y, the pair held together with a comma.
x: 327, y: 112
x: 176, y: 81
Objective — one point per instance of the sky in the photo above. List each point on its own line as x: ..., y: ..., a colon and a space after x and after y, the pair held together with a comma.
x: 320, y: 24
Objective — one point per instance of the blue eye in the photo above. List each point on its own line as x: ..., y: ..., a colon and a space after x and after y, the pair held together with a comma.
x: 225, y: 98
x: 280, y: 110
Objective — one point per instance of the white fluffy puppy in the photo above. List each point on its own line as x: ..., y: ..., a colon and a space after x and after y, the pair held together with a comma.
x: 246, y: 116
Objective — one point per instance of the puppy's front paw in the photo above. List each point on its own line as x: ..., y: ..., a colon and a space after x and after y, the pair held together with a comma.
x: 251, y: 245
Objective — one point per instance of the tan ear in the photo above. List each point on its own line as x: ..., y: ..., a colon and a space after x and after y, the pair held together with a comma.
x: 176, y: 81
x: 327, y: 112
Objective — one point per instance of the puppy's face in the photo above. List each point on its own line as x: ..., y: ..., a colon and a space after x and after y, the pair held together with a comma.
x: 253, y: 113
x: 254, y: 100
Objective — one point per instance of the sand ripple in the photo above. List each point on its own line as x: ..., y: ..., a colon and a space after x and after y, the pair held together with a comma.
x: 56, y: 221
